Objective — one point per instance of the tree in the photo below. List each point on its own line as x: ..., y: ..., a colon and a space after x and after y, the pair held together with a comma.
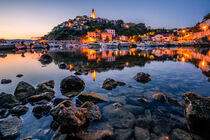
x: 206, y: 17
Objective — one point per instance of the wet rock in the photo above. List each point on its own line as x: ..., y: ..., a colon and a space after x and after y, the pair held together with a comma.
x: 46, y: 59
x: 41, y: 110
x: 69, y: 117
x: 58, y: 101
x: 136, y: 110
x: 90, y: 96
x: 160, y: 97
x: 19, y: 75
x: 118, y: 99
x: 117, y: 105
x: 71, y: 84
x: 93, y: 111
x: 62, y: 66
x: 123, y: 134
x: 78, y: 73
x: 6, y: 81
x: 27, y: 138
x: 118, y: 117
x: 174, y: 102
x: 23, y: 91
x: 3, y: 113
x: 197, y: 113
x: 142, y: 77
x: 142, y: 100
x: 19, y: 110
x: 110, y: 84
x: 10, y: 128
x: 141, y: 134
x: 178, y: 134
x: 45, y: 87
x: 8, y: 100
x: 44, y: 96
x: 208, y: 79
x: 94, y: 135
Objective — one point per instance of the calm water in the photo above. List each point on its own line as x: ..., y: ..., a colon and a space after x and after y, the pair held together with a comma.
x: 173, y: 71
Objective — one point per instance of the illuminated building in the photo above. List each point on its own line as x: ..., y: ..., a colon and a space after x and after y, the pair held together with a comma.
x: 93, y: 15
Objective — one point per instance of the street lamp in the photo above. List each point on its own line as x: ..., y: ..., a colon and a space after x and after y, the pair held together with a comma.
x: 204, y: 27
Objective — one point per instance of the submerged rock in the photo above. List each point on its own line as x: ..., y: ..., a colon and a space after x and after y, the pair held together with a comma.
x: 173, y: 102
x: 160, y: 97
x: 19, y: 110
x: 23, y: 91
x: 62, y: 66
x: 69, y: 117
x: 10, y: 128
x: 142, y: 77
x: 197, y: 113
x: 44, y: 96
x: 19, y: 75
x: 8, y: 100
x: 71, y: 84
x: 3, y: 113
x: 142, y: 100
x: 90, y: 96
x: 109, y: 84
x: 123, y: 134
x: 93, y: 111
x: 41, y: 110
x: 58, y: 101
x: 178, y: 134
x: 6, y: 81
x: 46, y: 59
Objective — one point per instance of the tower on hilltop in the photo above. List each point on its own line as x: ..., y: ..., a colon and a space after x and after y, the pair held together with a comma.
x: 93, y: 14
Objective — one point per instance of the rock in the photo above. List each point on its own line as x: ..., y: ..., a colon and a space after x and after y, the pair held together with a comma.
x: 69, y: 117
x: 45, y: 87
x: 19, y: 110
x: 10, y: 128
x: 19, y: 75
x: 90, y: 96
x: 118, y: 117
x: 27, y: 138
x: 44, y: 96
x: 6, y: 81
x: 71, y: 84
x: 93, y: 111
x: 58, y: 101
x: 3, y: 113
x: 197, y: 113
x: 41, y: 110
x: 78, y: 73
x: 8, y: 100
x: 62, y: 66
x: 178, y: 134
x: 23, y: 91
x: 142, y: 77
x: 141, y: 134
x: 142, y: 100
x: 123, y: 134
x: 136, y: 110
x: 174, y: 102
x: 46, y: 59
x: 109, y: 84
x: 160, y: 97
x: 94, y: 135
x: 208, y: 79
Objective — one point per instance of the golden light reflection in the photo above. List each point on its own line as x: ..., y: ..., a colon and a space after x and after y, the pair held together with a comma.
x: 183, y: 59
x: 204, y: 27
x: 127, y: 63
x: 71, y: 67
x: 94, y: 75
x: 203, y: 63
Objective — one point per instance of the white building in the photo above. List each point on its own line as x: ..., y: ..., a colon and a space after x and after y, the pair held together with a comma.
x: 111, y: 31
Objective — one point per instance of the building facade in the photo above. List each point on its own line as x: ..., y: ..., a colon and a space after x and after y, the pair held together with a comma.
x: 111, y: 31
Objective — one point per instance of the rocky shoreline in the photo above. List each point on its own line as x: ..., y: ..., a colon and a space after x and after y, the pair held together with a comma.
x: 157, y: 118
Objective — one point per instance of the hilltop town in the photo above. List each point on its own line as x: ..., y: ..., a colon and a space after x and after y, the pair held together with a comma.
x: 86, y: 29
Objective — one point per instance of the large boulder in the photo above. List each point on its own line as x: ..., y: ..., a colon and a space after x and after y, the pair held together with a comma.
x: 197, y: 113
x: 71, y: 84
x: 109, y: 84
x: 23, y: 91
x: 46, y: 59
x: 19, y: 110
x: 6, y: 81
x: 8, y: 100
x: 69, y: 117
x: 93, y: 111
x: 41, y: 110
x: 142, y: 77
x: 10, y: 128
x: 90, y: 96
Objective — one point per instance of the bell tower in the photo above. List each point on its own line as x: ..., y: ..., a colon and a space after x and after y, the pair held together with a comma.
x: 93, y: 14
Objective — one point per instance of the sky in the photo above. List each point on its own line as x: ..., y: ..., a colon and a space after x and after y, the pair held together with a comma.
x: 24, y: 19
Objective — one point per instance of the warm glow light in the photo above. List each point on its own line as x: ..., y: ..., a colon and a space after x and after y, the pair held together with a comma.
x: 183, y: 31
x: 127, y: 26
x: 116, y: 53
x: 94, y: 75
x: 203, y: 63
x: 183, y: 59
x: 204, y: 27
x: 127, y: 63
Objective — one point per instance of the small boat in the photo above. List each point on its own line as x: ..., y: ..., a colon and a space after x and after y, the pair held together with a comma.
x: 7, y: 46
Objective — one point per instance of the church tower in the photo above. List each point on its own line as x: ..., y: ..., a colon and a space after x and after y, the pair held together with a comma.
x: 93, y: 14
